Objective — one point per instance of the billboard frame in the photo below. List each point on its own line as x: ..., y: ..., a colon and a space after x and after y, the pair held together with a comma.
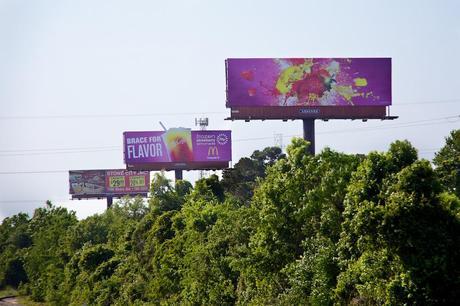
x: 312, y: 112
x: 297, y: 79
x: 108, y: 195
x: 178, y: 166
x: 240, y: 110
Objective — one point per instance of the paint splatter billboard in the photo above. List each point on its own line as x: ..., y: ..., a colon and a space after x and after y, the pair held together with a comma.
x: 177, y: 148
x: 104, y: 183
x: 308, y: 87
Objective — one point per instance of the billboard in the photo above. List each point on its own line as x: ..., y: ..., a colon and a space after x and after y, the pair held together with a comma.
x: 296, y: 88
x: 177, y: 148
x: 108, y: 183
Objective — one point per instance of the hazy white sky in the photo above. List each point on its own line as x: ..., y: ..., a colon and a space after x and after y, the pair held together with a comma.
x: 69, y: 69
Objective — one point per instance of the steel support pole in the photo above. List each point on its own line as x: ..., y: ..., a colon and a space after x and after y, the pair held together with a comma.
x: 109, y: 202
x: 178, y: 174
x: 309, y: 134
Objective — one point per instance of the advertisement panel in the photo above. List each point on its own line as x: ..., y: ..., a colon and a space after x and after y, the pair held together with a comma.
x: 177, y: 148
x: 87, y: 182
x: 104, y: 183
x: 292, y: 88
x: 127, y: 182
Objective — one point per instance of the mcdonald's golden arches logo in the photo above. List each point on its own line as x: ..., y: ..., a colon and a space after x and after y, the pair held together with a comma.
x: 213, y: 151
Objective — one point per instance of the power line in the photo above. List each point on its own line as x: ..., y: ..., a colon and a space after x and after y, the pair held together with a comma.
x: 54, y: 153
x: 88, y: 116
x: 401, y: 125
x: 428, y: 102
x: 35, y: 172
x: 421, y: 151
x: 424, y: 122
x: 30, y: 201
x: 55, y: 200
x: 366, y: 129
x: 59, y: 149
x: 91, y: 116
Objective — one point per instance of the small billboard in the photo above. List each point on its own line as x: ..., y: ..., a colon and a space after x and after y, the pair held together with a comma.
x: 298, y: 88
x: 108, y: 183
x: 177, y: 149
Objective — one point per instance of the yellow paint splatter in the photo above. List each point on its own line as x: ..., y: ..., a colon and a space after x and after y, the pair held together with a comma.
x: 360, y: 82
x: 312, y: 97
x: 290, y: 75
x: 345, y: 91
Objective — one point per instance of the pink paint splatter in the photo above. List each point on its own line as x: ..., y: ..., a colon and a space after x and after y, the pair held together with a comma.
x: 247, y: 75
x: 296, y: 61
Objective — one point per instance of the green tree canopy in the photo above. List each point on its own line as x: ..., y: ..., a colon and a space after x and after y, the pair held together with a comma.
x: 447, y: 162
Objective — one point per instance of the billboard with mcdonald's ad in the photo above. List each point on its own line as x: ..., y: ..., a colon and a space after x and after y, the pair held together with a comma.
x: 296, y: 88
x: 177, y: 148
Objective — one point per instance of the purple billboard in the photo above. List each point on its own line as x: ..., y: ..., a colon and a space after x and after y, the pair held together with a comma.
x: 291, y: 88
x: 177, y: 148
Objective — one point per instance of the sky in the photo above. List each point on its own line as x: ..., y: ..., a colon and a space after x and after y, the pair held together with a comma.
x: 74, y: 75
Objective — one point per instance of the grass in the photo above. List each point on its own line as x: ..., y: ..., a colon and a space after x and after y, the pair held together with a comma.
x: 26, y: 301
x: 23, y: 300
x: 7, y: 292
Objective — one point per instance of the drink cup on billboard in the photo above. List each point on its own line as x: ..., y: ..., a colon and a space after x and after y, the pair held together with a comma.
x: 179, y: 144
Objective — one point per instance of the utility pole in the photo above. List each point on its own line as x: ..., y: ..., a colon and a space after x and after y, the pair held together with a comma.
x: 203, y: 124
x: 278, y: 140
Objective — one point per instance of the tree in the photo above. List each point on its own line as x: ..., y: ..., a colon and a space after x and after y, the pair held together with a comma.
x: 210, y: 186
x: 298, y: 214
x: 165, y: 196
x: 14, y: 238
x: 240, y: 180
x: 88, y: 277
x: 447, y: 162
x: 398, y: 245
x: 93, y: 230
x: 45, y: 259
x: 209, y: 233
x: 300, y: 229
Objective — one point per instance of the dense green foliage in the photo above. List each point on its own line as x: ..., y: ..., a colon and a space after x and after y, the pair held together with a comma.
x: 295, y: 229
x: 447, y: 162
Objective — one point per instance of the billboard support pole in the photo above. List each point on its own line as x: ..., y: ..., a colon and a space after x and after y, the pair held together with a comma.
x: 309, y: 133
x: 109, y: 202
x: 178, y: 174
